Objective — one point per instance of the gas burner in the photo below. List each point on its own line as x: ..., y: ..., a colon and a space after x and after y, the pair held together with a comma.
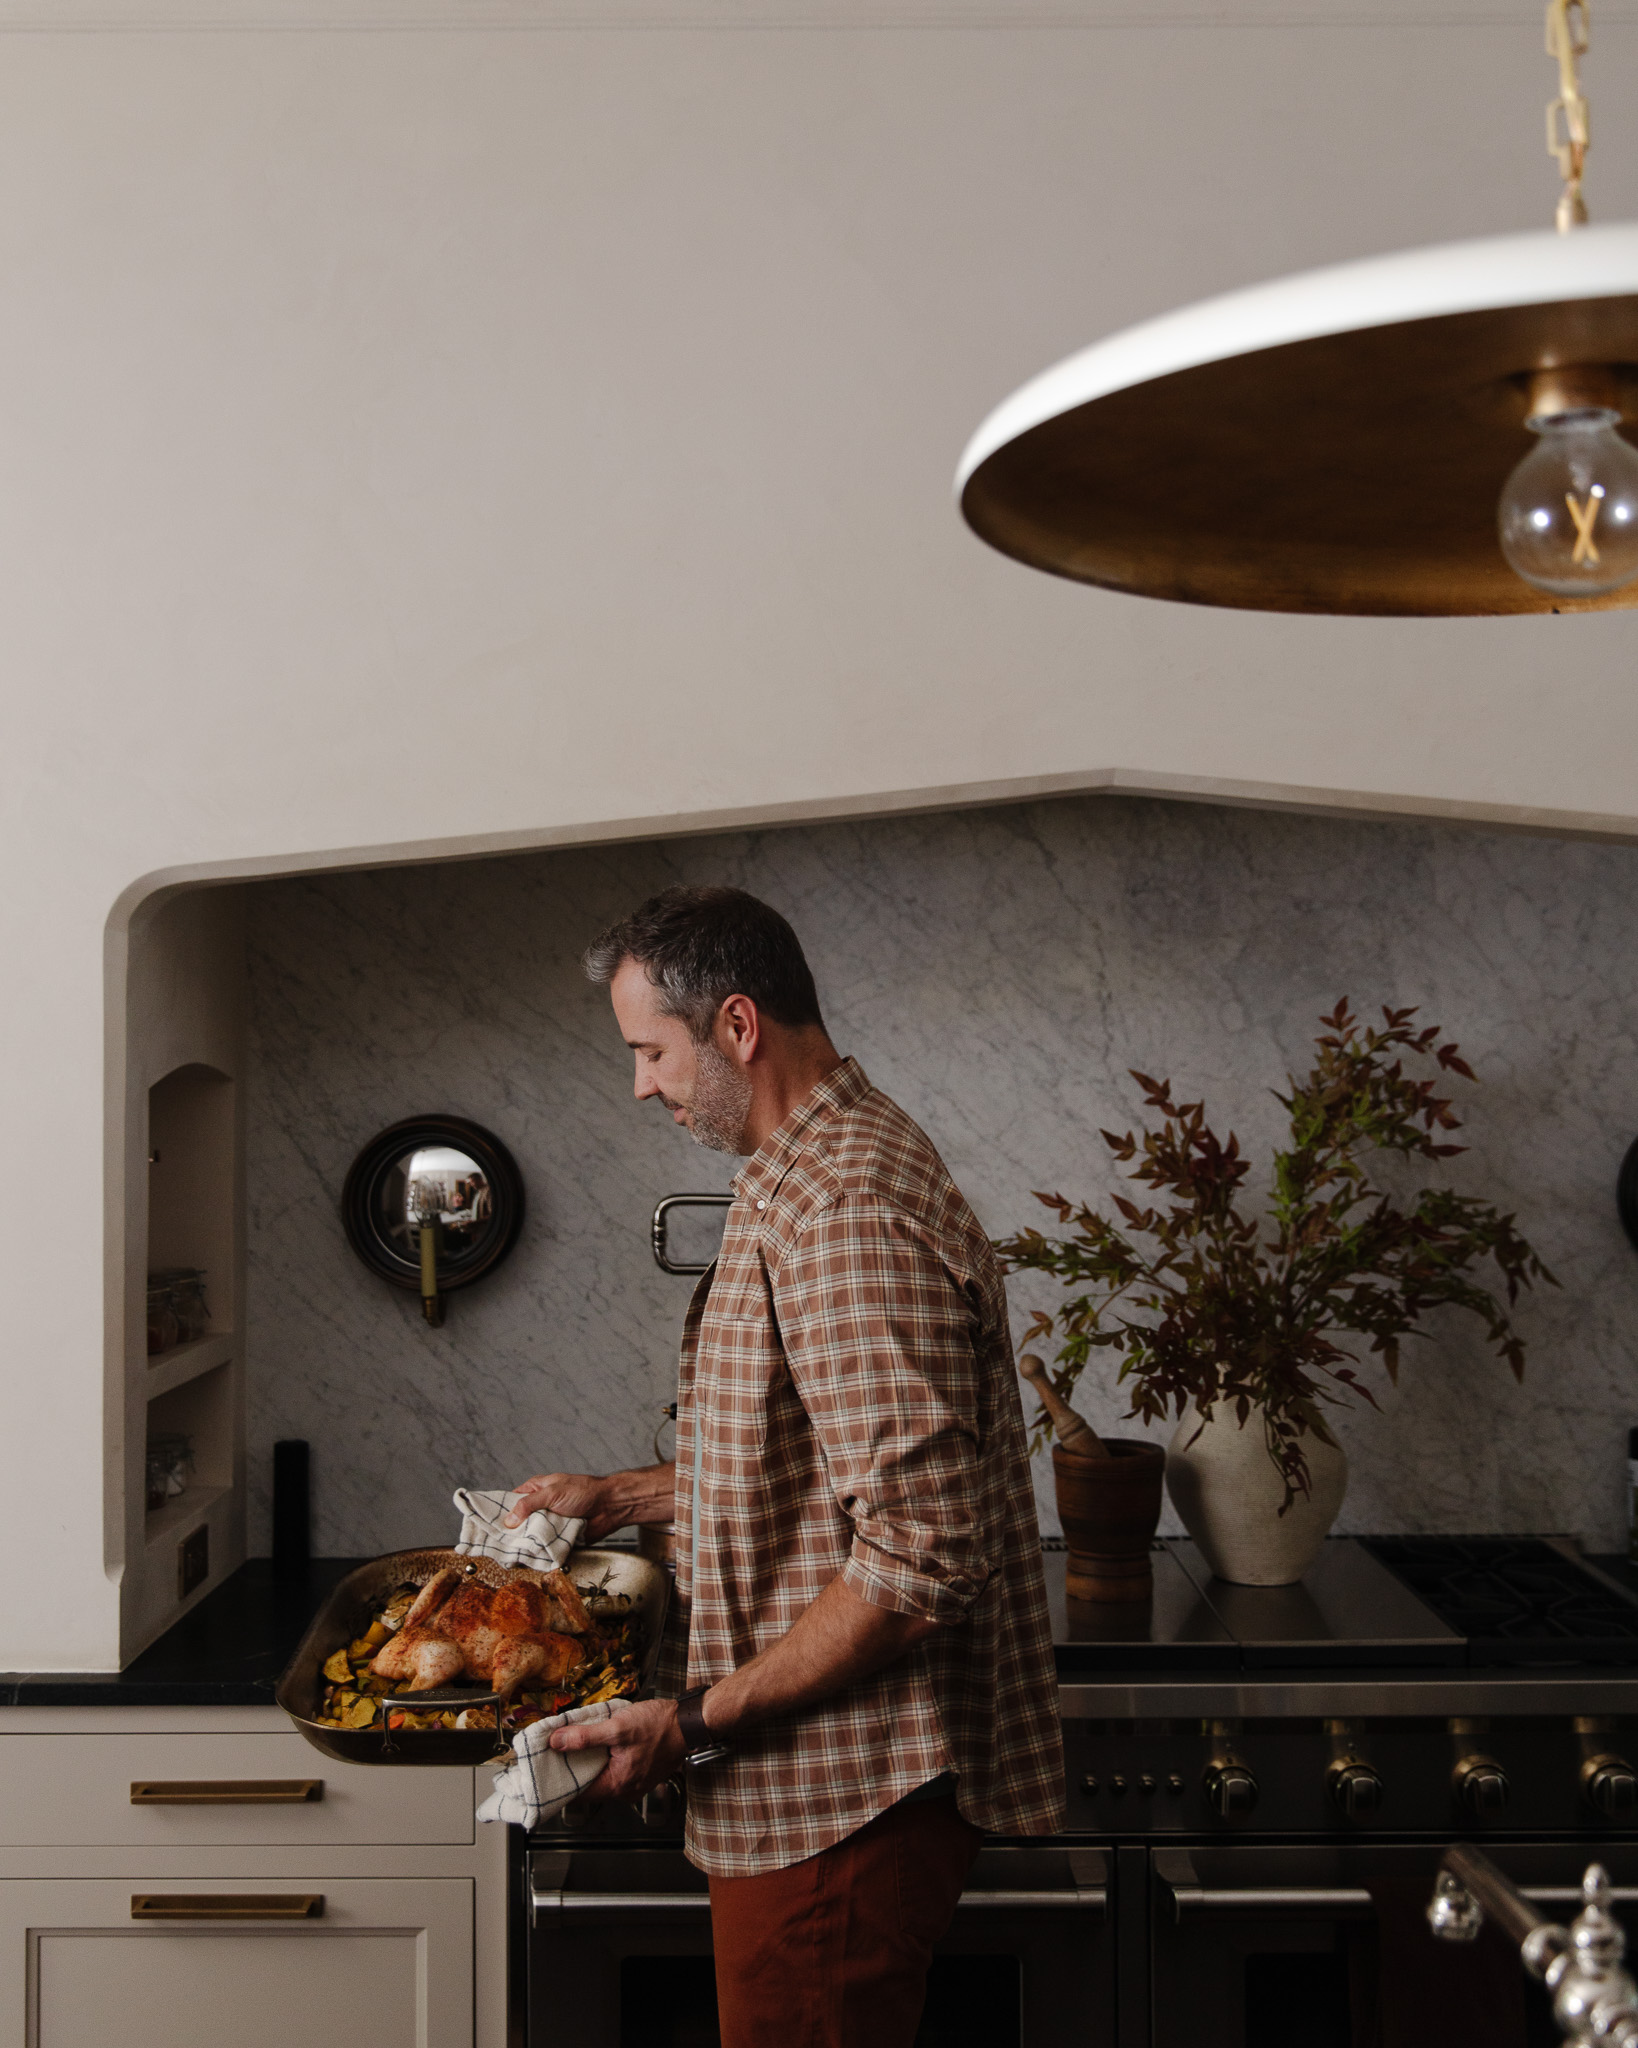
x: 1517, y: 1599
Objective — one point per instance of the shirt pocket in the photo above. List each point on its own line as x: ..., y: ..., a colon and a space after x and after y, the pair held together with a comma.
x: 745, y: 1368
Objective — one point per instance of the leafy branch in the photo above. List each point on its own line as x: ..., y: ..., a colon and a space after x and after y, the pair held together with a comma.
x: 1205, y: 1304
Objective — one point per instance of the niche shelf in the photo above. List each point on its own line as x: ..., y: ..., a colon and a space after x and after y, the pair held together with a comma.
x: 183, y: 1512
x: 191, y: 1161
x: 183, y: 1206
x: 184, y: 1362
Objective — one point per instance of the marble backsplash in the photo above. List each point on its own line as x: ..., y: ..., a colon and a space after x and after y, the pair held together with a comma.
x: 997, y: 971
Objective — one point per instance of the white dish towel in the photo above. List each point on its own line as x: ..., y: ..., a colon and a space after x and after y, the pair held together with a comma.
x: 540, y: 1781
x: 542, y: 1542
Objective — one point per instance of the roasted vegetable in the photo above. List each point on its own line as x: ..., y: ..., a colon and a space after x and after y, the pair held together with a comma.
x: 353, y: 1695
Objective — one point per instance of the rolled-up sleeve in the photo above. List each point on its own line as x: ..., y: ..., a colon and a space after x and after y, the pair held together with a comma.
x: 878, y: 1334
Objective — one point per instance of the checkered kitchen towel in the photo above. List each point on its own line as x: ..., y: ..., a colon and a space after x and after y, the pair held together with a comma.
x: 542, y: 1780
x: 542, y: 1542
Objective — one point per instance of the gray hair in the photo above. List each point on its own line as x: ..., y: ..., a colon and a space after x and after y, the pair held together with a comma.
x: 699, y: 946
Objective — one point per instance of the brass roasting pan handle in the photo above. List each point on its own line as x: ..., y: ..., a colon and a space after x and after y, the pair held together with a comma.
x: 227, y: 1905
x: 225, y: 1791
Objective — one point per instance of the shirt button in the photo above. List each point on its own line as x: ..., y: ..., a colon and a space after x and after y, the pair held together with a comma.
x: 762, y: 1205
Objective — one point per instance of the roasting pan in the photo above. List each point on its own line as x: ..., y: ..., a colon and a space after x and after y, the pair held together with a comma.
x: 354, y: 1604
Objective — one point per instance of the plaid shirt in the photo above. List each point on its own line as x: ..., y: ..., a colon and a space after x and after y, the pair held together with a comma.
x: 848, y: 1403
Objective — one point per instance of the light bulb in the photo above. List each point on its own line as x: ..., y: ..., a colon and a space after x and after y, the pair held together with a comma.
x: 1568, y: 516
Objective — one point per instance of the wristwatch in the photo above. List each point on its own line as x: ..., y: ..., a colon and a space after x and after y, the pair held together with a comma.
x: 700, y: 1746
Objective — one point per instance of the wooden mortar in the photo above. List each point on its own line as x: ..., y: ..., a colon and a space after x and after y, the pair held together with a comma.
x: 1109, y: 1507
x: 1109, y: 1491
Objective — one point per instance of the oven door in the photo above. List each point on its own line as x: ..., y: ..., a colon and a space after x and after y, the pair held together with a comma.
x: 619, y: 1953
x: 1328, y: 1946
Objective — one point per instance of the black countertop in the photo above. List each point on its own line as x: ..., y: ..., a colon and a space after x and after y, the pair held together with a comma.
x: 227, y: 1652
x: 231, y: 1649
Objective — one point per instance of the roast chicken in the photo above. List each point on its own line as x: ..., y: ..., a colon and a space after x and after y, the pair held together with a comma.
x: 526, y: 1628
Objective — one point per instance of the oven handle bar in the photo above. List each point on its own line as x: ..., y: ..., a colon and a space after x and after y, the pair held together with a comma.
x: 1080, y: 1898
x: 542, y: 1899
x: 1197, y: 1898
x: 1279, y: 1898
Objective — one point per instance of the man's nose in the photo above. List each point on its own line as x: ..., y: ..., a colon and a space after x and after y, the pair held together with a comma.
x: 644, y: 1085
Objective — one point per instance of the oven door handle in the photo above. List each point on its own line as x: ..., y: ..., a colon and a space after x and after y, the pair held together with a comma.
x: 1339, y: 1900
x: 557, y: 1899
x: 1277, y: 1898
x: 1078, y: 1898
x: 550, y: 1892
x: 1573, y: 1895
x: 542, y: 1900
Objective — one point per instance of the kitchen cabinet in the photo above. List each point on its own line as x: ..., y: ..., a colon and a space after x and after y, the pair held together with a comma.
x: 381, y: 1913
x: 388, y: 1964
x: 176, y: 1791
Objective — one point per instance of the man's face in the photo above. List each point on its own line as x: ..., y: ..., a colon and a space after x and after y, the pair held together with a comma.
x: 706, y: 1091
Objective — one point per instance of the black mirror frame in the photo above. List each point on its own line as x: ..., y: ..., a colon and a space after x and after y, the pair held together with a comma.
x: 359, y: 1206
x: 1626, y: 1193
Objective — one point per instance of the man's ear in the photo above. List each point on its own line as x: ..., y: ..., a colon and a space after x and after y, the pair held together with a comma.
x: 739, y: 1029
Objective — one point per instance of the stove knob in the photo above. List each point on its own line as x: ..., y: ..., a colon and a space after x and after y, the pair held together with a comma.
x: 1481, y: 1785
x: 1357, y: 1789
x: 1612, y: 1786
x: 1231, y: 1789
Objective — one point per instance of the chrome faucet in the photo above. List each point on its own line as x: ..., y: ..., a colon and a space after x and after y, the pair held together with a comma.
x: 1595, y: 2001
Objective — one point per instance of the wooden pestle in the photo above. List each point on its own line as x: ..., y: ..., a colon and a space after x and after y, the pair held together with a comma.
x: 1073, y: 1431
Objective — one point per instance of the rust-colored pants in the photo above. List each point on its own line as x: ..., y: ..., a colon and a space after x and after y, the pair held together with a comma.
x: 833, y: 1952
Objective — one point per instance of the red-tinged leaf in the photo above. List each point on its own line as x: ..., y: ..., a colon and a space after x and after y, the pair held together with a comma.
x: 1201, y: 1305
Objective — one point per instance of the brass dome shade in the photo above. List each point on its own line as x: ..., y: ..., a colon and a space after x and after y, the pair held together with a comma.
x: 1334, y: 442
x: 1338, y: 442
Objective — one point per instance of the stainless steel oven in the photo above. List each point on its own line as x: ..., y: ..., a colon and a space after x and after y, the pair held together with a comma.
x: 620, y: 1951
x: 1327, y: 1946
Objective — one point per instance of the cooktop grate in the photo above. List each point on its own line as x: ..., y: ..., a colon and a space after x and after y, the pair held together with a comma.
x: 1516, y: 1599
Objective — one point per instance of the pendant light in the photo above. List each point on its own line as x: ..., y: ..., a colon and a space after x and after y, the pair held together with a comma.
x: 1433, y: 433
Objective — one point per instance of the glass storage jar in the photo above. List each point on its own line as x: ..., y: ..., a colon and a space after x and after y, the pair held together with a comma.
x: 169, y: 1462
x: 162, y: 1323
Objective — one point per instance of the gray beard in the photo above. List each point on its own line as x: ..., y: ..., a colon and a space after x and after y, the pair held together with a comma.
x: 722, y: 1101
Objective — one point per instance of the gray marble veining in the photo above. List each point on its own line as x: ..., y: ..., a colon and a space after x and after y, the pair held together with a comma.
x: 997, y: 971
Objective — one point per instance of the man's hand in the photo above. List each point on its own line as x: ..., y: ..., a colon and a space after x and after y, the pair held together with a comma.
x: 644, y: 1745
x: 609, y: 1502
x: 562, y: 1493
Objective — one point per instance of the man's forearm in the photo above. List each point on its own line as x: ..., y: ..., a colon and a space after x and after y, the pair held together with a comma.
x: 840, y: 1638
x: 646, y: 1494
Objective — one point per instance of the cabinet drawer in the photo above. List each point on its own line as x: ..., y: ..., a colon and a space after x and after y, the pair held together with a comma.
x: 388, y: 1965
x: 71, y: 1790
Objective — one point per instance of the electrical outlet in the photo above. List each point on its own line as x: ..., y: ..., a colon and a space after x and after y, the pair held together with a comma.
x: 193, y: 1560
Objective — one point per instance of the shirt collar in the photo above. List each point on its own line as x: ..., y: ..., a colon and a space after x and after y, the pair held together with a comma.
x: 840, y: 1089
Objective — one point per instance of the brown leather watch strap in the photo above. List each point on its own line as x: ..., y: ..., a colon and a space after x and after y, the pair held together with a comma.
x: 700, y: 1745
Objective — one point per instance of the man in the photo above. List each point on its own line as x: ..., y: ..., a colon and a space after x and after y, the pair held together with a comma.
x: 868, y: 1654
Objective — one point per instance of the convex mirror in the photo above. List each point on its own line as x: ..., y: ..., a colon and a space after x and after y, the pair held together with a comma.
x: 432, y: 1204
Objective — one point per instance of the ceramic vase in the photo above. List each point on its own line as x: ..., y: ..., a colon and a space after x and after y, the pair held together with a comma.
x: 1227, y: 1493
x: 1109, y: 1508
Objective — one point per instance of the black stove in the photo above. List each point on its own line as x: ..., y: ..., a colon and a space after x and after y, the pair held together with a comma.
x: 1372, y: 1603
x: 1259, y: 1784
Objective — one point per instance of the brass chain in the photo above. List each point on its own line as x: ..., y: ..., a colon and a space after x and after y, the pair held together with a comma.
x: 1569, y: 132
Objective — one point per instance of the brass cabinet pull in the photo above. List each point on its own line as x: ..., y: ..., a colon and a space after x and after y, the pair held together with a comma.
x: 225, y: 1791
x: 227, y: 1905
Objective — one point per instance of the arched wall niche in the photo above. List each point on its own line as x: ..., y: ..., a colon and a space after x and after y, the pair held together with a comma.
x: 176, y: 1059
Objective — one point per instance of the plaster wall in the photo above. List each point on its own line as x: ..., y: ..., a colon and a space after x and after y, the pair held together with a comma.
x: 427, y: 431
x: 998, y: 972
